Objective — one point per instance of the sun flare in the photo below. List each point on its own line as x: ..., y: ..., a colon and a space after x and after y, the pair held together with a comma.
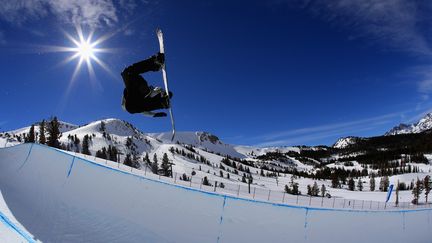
x: 85, y: 50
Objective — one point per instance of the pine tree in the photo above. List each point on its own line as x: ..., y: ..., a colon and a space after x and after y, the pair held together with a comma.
x: 287, y: 189
x: 427, y: 187
x: 335, y: 181
x: 360, y: 184
x: 323, y: 190
x: 309, y: 190
x: 146, y: 160
x: 351, y: 184
x: 31, y: 136
x: 205, y: 181
x: 315, y: 189
x: 128, y: 161
x: 85, y: 145
x: 372, y: 183
x: 154, y: 166
x: 112, y: 153
x: 295, y: 189
x: 101, y: 154
x: 42, y: 132
x: 102, y: 126
x: 384, y: 184
x: 53, y: 133
x: 416, y: 191
x: 165, y: 166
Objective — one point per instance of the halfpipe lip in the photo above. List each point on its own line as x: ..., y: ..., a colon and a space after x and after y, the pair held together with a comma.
x: 6, y: 221
x: 31, y: 145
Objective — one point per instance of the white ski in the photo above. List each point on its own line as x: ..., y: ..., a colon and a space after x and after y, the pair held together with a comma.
x: 164, y: 76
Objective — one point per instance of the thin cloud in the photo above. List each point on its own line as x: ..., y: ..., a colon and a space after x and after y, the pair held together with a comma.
x: 424, y: 86
x: 310, y: 134
x: 298, y: 140
x: 95, y: 14
x: 397, y: 24
x: 330, y: 127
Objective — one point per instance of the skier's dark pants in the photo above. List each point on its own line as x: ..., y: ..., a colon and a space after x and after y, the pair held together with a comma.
x: 137, y: 88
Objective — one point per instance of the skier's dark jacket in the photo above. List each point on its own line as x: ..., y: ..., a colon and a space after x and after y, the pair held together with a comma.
x: 137, y: 96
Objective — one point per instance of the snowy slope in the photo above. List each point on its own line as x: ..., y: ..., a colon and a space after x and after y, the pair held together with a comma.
x: 201, y: 140
x: 60, y: 198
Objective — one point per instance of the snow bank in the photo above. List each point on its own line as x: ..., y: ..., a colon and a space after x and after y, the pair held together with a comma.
x: 60, y: 198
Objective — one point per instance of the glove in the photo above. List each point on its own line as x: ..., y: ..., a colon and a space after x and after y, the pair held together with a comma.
x: 160, y: 59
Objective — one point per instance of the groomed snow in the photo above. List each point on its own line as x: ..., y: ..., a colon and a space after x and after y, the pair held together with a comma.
x: 61, y: 198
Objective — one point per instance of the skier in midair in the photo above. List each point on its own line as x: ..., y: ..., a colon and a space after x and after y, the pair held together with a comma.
x: 138, y: 96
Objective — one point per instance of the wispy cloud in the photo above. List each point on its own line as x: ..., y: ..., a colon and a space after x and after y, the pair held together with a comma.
x: 313, y: 137
x: 398, y: 24
x: 95, y: 13
x: 337, y: 130
x: 330, y: 127
x: 424, y: 86
x: 312, y: 134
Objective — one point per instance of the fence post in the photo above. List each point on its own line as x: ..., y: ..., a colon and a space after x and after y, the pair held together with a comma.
x: 297, y: 198
x: 353, y: 203
x: 190, y: 182
x: 310, y: 199
x: 322, y: 201
x: 378, y: 205
x: 254, y: 193
x: 370, y: 204
x: 159, y: 176
x: 131, y: 168
x: 238, y: 191
x: 343, y: 204
x: 268, y: 198
x: 201, y: 183
x: 145, y: 170
x: 334, y: 199
x: 118, y: 165
x: 283, y: 198
x: 175, y: 178
x: 362, y: 204
x: 215, y: 186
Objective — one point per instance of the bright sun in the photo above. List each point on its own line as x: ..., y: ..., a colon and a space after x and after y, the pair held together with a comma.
x: 85, y: 50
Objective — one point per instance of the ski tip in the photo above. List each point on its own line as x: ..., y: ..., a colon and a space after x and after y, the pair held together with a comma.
x: 158, y: 31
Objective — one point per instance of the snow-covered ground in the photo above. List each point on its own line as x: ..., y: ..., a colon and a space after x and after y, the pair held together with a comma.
x: 58, y: 197
x: 214, y: 150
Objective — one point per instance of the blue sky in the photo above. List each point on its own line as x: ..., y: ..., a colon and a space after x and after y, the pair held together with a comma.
x: 262, y: 73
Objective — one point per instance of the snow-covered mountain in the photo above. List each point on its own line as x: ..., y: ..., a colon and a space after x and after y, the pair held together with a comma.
x: 422, y: 125
x: 202, y: 140
x: 345, y: 142
x: 201, y: 154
